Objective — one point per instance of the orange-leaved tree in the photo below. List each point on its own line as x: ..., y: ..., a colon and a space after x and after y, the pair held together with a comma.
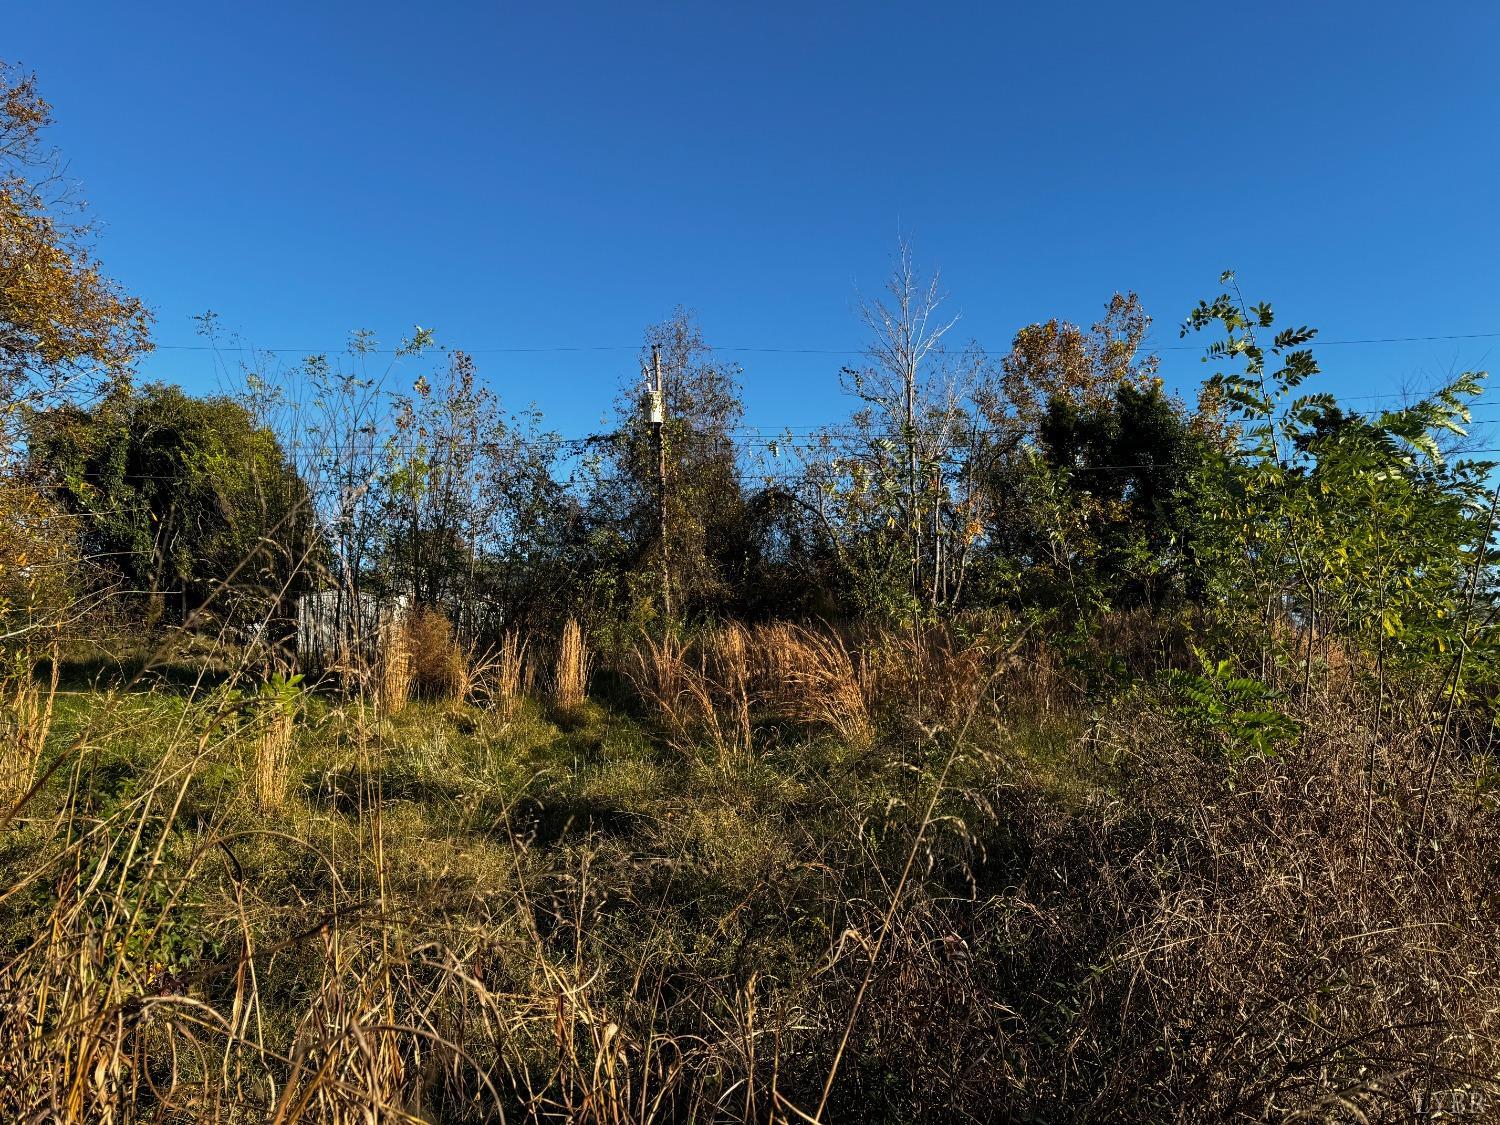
x: 63, y: 323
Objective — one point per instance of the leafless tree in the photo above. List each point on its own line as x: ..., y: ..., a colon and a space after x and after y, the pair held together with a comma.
x: 919, y: 402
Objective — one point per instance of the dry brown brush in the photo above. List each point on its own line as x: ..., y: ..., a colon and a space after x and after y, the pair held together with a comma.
x: 439, y: 665
x: 1248, y: 940
x: 1186, y: 932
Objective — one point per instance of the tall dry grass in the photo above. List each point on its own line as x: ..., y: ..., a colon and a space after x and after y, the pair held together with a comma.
x: 700, y: 693
x: 570, y: 671
x: 272, y: 757
x: 26, y: 713
x: 811, y: 676
x: 932, y: 674
x: 731, y: 650
x: 513, y: 670
x: 502, y: 675
x: 708, y: 690
x: 394, y: 672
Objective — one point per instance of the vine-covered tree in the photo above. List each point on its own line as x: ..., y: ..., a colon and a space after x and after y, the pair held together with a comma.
x: 187, y: 500
x: 702, y: 491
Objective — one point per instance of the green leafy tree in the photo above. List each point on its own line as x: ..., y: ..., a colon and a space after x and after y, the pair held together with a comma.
x: 190, y: 502
x: 1126, y: 463
x: 1084, y: 478
x: 1320, y: 526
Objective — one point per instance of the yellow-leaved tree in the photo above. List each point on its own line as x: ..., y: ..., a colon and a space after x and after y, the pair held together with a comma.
x: 66, y: 330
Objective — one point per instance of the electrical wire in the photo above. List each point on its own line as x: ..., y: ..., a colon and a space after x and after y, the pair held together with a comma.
x: 543, y: 349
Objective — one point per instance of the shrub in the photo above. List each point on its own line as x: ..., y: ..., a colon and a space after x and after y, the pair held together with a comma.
x: 439, y: 667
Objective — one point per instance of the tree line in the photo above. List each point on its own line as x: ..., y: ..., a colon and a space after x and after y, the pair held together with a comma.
x: 1046, y: 490
x: 1059, y: 476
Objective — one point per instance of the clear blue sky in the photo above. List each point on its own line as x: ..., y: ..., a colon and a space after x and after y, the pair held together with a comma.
x: 562, y: 174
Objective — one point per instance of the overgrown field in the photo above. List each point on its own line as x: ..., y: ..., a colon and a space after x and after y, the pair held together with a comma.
x: 774, y: 874
x: 1029, y: 745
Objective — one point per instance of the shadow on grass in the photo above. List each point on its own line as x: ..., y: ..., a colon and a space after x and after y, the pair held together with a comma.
x: 101, y: 673
x: 347, y: 791
x: 550, y: 820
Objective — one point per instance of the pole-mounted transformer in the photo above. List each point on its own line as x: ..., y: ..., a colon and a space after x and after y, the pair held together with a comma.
x: 656, y: 415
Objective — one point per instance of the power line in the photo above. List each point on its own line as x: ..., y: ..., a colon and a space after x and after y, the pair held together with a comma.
x: 774, y: 350
x: 789, y: 474
x: 761, y: 437
x: 748, y: 442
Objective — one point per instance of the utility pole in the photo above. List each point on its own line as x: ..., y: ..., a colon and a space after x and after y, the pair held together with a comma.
x: 658, y: 397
